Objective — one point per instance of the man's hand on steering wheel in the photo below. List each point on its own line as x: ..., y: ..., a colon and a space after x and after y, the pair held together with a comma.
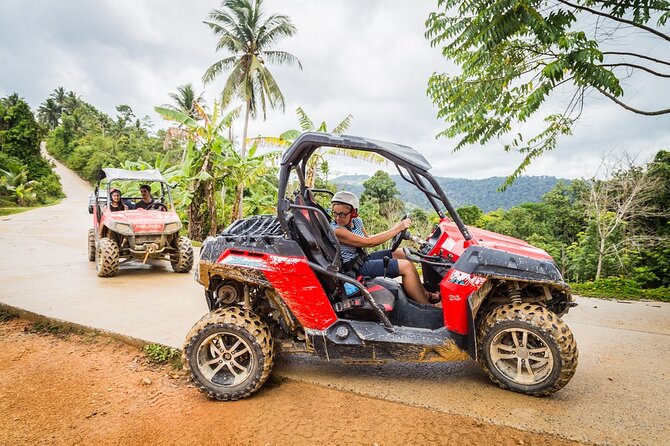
x: 404, y: 234
x: 157, y: 206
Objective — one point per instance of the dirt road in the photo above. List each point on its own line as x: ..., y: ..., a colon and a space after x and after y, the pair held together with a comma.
x: 618, y: 395
x: 110, y: 395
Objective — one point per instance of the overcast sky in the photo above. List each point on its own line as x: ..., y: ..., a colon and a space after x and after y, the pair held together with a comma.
x: 367, y: 58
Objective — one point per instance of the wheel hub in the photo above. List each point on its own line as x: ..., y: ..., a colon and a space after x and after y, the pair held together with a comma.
x: 522, y: 353
x: 225, y: 359
x: 522, y: 356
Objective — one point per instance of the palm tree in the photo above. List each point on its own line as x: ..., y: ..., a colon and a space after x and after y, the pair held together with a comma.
x: 185, y: 100
x: 59, y: 96
x: 11, y: 100
x: 247, y: 35
x: 70, y: 102
x: 49, y: 113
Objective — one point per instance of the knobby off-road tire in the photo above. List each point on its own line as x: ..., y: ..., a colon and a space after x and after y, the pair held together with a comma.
x: 182, y: 260
x: 229, y: 353
x: 107, y: 258
x: 527, y: 348
x: 91, y: 245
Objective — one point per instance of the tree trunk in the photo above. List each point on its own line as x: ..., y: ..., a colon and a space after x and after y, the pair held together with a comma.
x: 211, y: 207
x: 601, y: 254
x: 237, y: 205
x: 310, y: 177
x: 564, y: 260
x: 194, y: 212
x: 239, y: 191
x: 243, y: 152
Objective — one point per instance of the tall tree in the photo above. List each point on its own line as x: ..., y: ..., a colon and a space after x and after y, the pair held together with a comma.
x: 625, y: 195
x: 515, y: 54
x: 59, y: 96
x: 247, y: 34
x: 49, y: 113
x: 381, y: 190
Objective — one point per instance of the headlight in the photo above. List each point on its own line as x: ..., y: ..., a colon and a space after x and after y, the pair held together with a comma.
x: 172, y: 227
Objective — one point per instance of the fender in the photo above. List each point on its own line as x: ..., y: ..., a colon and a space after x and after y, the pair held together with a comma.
x: 463, y: 287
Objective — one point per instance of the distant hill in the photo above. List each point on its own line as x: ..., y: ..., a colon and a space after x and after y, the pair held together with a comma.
x: 464, y: 192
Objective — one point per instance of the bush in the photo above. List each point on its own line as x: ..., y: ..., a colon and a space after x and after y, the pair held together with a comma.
x: 160, y: 354
x: 620, y: 288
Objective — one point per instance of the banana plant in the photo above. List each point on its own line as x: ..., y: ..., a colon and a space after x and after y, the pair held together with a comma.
x: 205, y: 139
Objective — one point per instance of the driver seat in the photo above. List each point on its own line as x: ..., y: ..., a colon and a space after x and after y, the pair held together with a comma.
x: 314, y: 238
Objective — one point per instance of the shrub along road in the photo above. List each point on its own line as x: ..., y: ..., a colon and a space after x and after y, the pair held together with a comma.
x: 618, y: 395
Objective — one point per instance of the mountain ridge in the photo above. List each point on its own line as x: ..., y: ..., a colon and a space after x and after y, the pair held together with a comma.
x: 465, y: 192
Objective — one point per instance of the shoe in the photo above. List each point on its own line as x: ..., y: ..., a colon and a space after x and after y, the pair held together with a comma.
x: 434, y: 298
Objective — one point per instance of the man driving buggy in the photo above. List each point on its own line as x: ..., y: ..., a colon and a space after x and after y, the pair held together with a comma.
x: 147, y: 199
x: 353, y: 238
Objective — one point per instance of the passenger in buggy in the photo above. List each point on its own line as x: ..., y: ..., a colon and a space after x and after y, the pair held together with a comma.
x: 353, y: 238
x: 116, y: 204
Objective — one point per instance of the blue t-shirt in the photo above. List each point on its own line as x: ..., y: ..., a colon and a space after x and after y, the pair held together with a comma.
x: 350, y: 252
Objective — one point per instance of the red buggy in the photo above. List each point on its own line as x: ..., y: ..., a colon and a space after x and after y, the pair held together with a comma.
x: 138, y: 234
x: 276, y: 284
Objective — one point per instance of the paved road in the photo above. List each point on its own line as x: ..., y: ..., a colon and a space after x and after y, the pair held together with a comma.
x: 619, y: 395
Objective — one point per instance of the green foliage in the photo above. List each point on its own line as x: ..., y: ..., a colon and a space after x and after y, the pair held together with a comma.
x: 620, y: 288
x: 380, y: 189
x: 514, y: 54
x: 470, y: 214
x: 380, y: 207
x: 7, y: 315
x: 25, y: 177
x: 87, y: 139
x: 53, y: 328
x: 159, y: 354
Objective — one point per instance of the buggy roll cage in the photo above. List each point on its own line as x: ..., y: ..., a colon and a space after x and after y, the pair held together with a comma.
x: 411, y: 166
x: 149, y: 175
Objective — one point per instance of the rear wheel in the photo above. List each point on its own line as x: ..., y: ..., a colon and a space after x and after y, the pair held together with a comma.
x: 107, y: 261
x: 182, y: 259
x: 91, y: 245
x: 229, y: 353
x: 526, y: 348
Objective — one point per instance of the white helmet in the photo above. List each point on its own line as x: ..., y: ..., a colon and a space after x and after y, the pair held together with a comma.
x: 346, y: 197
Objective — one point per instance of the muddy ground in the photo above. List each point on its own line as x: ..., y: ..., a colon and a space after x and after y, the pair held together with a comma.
x: 59, y: 387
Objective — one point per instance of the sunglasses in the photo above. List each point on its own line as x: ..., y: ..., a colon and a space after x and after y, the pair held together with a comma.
x: 340, y: 214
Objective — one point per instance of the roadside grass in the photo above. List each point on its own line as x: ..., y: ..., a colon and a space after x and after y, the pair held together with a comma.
x: 54, y: 329
x: 621, y: 289
x: 9, y: 210
x: 12, y: 210
x: 160, y: 355
x: 7, y: 315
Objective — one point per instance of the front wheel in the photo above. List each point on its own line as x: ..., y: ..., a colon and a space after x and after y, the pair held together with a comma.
x: 528, y: 349
x: 182, y: 259
x: 229, y: 353
x: 107, y: 258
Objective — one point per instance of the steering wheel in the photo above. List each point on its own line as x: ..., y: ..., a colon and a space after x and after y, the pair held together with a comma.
x: 157, y: 206
x: 399, y: 237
